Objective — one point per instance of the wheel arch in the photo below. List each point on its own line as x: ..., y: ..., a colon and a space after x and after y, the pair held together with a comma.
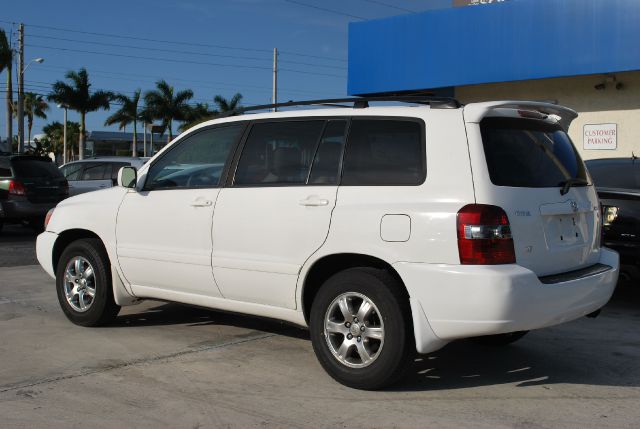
x: 67, y: 237
x: 326, y: 266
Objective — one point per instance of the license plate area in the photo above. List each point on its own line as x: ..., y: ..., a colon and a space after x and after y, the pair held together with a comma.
x: 566, y: 230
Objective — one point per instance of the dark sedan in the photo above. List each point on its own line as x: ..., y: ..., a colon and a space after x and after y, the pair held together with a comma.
x: 618, y: 183
x: 29, y: 187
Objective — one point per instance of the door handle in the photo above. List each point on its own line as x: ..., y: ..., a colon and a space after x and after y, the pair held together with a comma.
x: 201, y: 203
x: 314, y: 201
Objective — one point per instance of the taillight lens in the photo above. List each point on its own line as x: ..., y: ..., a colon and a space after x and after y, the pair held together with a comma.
x: 47, y: 218
x: 484, y: 236
x: 16, y: 188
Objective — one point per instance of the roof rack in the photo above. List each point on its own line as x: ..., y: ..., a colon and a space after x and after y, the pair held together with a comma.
x: 358, y: 103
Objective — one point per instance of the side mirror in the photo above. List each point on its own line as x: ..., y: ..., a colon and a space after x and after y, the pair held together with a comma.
x: 127, y: 177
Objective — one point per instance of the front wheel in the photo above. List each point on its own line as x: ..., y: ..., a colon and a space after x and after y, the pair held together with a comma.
x: 83, y: 283
x: 360, y: 328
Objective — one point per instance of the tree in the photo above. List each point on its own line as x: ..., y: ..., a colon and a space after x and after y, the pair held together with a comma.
x: 78, y: 97
x: 54, y: 136
x: 6, y: 63
x: 165, y: 104
x: 34, y: 106
x: 126, y: 115
x: 225, y: 105
x: 197, y: 114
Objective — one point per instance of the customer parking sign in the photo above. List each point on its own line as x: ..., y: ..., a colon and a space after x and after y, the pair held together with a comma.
x: 600, y: 136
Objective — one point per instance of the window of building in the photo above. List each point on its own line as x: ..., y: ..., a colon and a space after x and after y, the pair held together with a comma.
x: 195, y: 162
x: 384, y: 152
x: 278, y: 153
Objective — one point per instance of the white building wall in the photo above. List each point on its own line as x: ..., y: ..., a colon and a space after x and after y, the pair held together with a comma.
x: 609, y: 105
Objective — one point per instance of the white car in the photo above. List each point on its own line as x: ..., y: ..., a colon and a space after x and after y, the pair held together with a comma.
x: 93, y: 174
x: 386, y: 230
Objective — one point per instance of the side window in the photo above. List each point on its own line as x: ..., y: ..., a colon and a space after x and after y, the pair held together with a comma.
x: 278, y: 153
x: 115, y: 167
x: 326, y: 165
x: 195, y: 162
x: 96, y: 171
x: 384, y: 152
x: 72, y: 171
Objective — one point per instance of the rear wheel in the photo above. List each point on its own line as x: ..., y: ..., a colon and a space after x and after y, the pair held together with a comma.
x: 360, y: 328
x: 83, y: 283
x: 500, y: 339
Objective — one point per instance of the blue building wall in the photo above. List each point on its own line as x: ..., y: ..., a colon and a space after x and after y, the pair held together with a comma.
x: 509, y: 41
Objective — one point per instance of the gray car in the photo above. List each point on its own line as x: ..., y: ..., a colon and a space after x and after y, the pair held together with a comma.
x: 96, y: 173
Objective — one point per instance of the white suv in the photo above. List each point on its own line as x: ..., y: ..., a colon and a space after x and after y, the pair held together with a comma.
x: 386, y: 230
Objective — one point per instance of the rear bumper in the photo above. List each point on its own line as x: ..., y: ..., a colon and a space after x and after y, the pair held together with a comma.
x: 461, y: 301
x: 16, y: 210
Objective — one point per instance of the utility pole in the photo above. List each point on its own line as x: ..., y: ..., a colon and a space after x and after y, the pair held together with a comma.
x: 10, y: 95
x: 64, y: 137
x: 144, y: 140
x: 21, y: 88
x: 275, y: 78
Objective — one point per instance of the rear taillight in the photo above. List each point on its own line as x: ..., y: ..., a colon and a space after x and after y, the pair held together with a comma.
x: 16, y: 188
x: 484, y: 236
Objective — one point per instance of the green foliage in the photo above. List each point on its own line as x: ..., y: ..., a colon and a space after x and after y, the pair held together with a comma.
x: 167, y: 105
x: 6, y: 53
x: 54, y: 136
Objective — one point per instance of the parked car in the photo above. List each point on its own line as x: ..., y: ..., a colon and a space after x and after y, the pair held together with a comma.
x: 29, y: 187
x: 386, y: 230
x: 617, y: 181
x: 96, y: 173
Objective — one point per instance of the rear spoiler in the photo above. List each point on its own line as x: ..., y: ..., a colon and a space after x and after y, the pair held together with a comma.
x: 474, y: 112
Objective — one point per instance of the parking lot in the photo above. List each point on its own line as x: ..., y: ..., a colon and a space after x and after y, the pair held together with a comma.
x: 167, y: 365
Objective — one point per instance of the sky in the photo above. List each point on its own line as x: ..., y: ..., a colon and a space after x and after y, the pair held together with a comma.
x: 211, y: 47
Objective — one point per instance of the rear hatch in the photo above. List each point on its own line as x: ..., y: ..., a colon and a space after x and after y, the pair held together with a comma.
x: 524, y: 162
x: 41, y: 178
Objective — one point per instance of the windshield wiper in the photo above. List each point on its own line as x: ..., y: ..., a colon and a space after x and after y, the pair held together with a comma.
x: 567, y: 184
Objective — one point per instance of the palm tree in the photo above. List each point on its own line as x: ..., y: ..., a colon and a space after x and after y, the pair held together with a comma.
x: 34, y: 106
x: 6, y: 62
x: 126, y: 115
x: 225, y: 105
x: 197, y: 114
x: 77, y: 97
x: 167, y: 105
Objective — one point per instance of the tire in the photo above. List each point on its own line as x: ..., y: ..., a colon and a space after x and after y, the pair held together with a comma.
x: 500, y: 340
x: 389, y: 314
x: 81, y: 308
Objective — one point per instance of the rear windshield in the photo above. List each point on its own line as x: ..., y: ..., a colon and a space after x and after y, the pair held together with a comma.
x: 615, y: 174
x: 529, y: 153
x: 35, y: 168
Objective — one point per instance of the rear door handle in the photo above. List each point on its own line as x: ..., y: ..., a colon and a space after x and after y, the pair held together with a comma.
x: 314, y: 201
x: 201, y: 203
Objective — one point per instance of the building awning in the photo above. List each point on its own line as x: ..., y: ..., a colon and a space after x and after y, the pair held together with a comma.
x: 506, y: 41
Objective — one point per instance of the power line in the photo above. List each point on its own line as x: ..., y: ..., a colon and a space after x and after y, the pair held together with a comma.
x: 326, y: 10
x: 173, y: 42
x: 176, y: 51
x: 391, y: 6
x: 117, y: 75
x: 179, y: 61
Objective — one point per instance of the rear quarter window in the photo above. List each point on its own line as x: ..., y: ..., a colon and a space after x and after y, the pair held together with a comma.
x: 529, y: 153
x: 384, y: 152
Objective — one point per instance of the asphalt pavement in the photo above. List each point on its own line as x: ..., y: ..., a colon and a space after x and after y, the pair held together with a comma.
x: 168, y: 365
